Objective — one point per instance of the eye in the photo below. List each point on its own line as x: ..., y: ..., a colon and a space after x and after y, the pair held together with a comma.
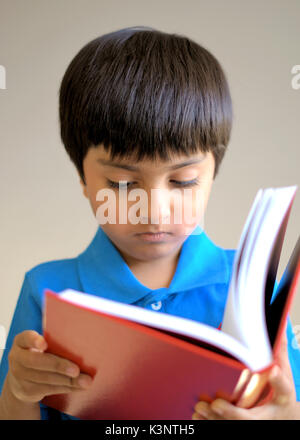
x: 178, y: 183
x: 122, y: 184
x: 185, y: 183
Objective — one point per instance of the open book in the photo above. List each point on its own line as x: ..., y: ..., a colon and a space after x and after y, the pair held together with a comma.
x: 152, y: 365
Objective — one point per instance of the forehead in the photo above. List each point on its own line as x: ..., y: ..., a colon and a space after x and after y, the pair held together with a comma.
x: 132, y: 163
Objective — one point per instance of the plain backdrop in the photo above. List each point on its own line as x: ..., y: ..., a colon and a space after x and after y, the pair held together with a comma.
x: 44, y: 215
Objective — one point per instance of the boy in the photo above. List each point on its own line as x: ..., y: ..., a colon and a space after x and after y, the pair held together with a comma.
x: 152, y: 110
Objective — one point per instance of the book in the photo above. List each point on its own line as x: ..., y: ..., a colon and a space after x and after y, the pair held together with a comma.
x: 149, y: 365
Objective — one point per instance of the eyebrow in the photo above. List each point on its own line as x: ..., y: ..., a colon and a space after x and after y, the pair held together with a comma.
x: 134, y: 168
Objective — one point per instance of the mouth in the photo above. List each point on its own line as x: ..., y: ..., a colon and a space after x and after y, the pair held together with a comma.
x: 154, y: 237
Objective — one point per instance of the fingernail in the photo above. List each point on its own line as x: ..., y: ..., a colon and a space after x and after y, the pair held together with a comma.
x: 202, y: 413
x: 40, y: 344
x: 274, y: 372
x: 218, y: 406
x: 201, y: 408
x: 72, y: 371
x: 195, y: 416
x: 85, y: 382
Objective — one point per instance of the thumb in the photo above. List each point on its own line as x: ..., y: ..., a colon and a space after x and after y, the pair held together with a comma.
x: 282, y: 386
x: 281, y: 357
x: 32, y: 340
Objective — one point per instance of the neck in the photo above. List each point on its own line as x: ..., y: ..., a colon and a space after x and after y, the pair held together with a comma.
x: 154, y: 274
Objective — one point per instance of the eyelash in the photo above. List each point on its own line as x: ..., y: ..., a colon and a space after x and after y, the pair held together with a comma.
x: 177, y: 183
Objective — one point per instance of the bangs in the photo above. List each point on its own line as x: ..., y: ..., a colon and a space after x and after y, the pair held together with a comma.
x: 145, y: 94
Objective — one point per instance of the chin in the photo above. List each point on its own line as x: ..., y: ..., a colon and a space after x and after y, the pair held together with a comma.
x: 152, y: 251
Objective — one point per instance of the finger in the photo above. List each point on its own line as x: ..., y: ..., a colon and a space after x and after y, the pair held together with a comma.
x: 32, y: 392
x: 49, y: 390
x: 283, y: 389
x: 30, y: 339
x: 197, y: 416
x: 55, y: 379
x: 203, y: 411
x: 45, y: 362
x: 282, y: 353
x: 228, y: 411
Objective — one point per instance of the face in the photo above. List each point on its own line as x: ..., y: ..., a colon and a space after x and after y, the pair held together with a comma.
x: 158, y: 205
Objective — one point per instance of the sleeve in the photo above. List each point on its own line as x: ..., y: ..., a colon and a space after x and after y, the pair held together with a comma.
x: 294, y: 355
x: 27, y: 316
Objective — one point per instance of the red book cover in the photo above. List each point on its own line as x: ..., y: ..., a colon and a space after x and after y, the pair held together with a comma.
x: 140, y: 373
x: 144, y: 373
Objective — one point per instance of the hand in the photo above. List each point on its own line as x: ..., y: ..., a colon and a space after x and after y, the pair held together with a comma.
x: 282, y: 405
x: 34, y: 374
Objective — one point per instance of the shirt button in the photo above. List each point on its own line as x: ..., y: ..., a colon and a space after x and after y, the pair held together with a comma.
x: 156, y: 305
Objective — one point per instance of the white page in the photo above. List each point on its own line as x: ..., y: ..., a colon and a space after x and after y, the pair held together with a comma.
x: 250, y: 284
x: 249, y: 287
x: 231, y: 323
x: 252, y: 302
x: 168, y: 322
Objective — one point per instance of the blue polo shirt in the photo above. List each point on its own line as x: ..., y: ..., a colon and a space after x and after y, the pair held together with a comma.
x: 197, y: 291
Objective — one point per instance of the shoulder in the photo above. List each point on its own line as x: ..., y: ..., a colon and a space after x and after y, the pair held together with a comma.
x: 55, y: 275
x: 56, y: 272
x: 60, y: 274
x: 229, y: 255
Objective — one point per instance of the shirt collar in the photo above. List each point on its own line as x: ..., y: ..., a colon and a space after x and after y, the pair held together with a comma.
x: 104, y: 272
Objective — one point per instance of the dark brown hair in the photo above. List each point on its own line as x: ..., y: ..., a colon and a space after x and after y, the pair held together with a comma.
x: 142, y: 93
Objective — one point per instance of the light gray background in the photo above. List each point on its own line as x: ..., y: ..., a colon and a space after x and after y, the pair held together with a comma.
x: 44, y: 215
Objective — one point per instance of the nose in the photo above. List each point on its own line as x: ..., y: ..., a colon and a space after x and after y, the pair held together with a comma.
x: 159, y: 206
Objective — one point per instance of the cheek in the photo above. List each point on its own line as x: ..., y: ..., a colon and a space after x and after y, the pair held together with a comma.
x: 194, y: 210
x: 193, y: 205
x: 116, y: 232
x: 109, y: 211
